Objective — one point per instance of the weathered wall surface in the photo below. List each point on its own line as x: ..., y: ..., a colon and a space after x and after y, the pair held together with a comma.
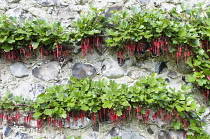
x: 31, y: 77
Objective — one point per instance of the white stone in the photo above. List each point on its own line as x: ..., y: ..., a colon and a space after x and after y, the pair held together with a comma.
x: 18, y: 69
x: 112, y: 70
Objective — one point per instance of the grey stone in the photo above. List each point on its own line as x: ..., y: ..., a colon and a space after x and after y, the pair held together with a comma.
x: 149, y: 130
x: 47, y: 71
x: 7, y: 131
x: 20, y: 135
x: 80, y: 123
x: 172, y: 74
x: 18, y: 69
x: 47, y: 3
x: 12, y: 1
x: 112, y: 70
x: 144, y: 2
x: 80, y: 70
x: 160, y: 67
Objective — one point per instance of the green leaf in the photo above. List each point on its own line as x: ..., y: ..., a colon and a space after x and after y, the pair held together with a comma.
x: 179, y: 108
x: 125, y: 103
x: 119, y: 113
x: 107, y: 104
x: 207, y: 72
x: 182, y: 32
x: 60, y: 97
x: 117, y: 38
x: 48, y: 112
x: 7, y: 47
x: 37, y: 114
x: 39, y: 100
x: 3, y: 39
x: 194, y: 105
x: 84, y: 108
x: 176, y: 125
x: 191, y: 78
x: 195, y: 43
x: 85, y: 87
x: 35, y: 45
x: 50, y: 90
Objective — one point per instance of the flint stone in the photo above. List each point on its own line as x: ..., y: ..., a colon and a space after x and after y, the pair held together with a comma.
x: 47, y: 71
x: 160, y: 67
x: 80, y: 70
x: 149, y: 130
x: 18, y: 69
x: 7, y: 130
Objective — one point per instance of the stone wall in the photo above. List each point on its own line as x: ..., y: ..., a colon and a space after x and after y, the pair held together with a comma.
x: 31, y: 77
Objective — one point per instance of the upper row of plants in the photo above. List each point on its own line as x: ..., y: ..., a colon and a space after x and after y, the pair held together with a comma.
x: 148, y: 100
x: 132, y: 31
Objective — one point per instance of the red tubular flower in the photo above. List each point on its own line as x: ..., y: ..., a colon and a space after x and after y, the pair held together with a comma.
x: 49, y: 120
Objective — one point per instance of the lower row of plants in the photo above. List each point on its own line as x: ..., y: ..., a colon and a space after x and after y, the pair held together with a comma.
x: 149, y: 100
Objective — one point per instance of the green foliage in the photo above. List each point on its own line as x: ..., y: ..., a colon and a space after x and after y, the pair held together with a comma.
x: 89, y: 24
x: 11, y: 102
x: 90, y: 96
x: 33, y: 32
x: 136, y: 26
